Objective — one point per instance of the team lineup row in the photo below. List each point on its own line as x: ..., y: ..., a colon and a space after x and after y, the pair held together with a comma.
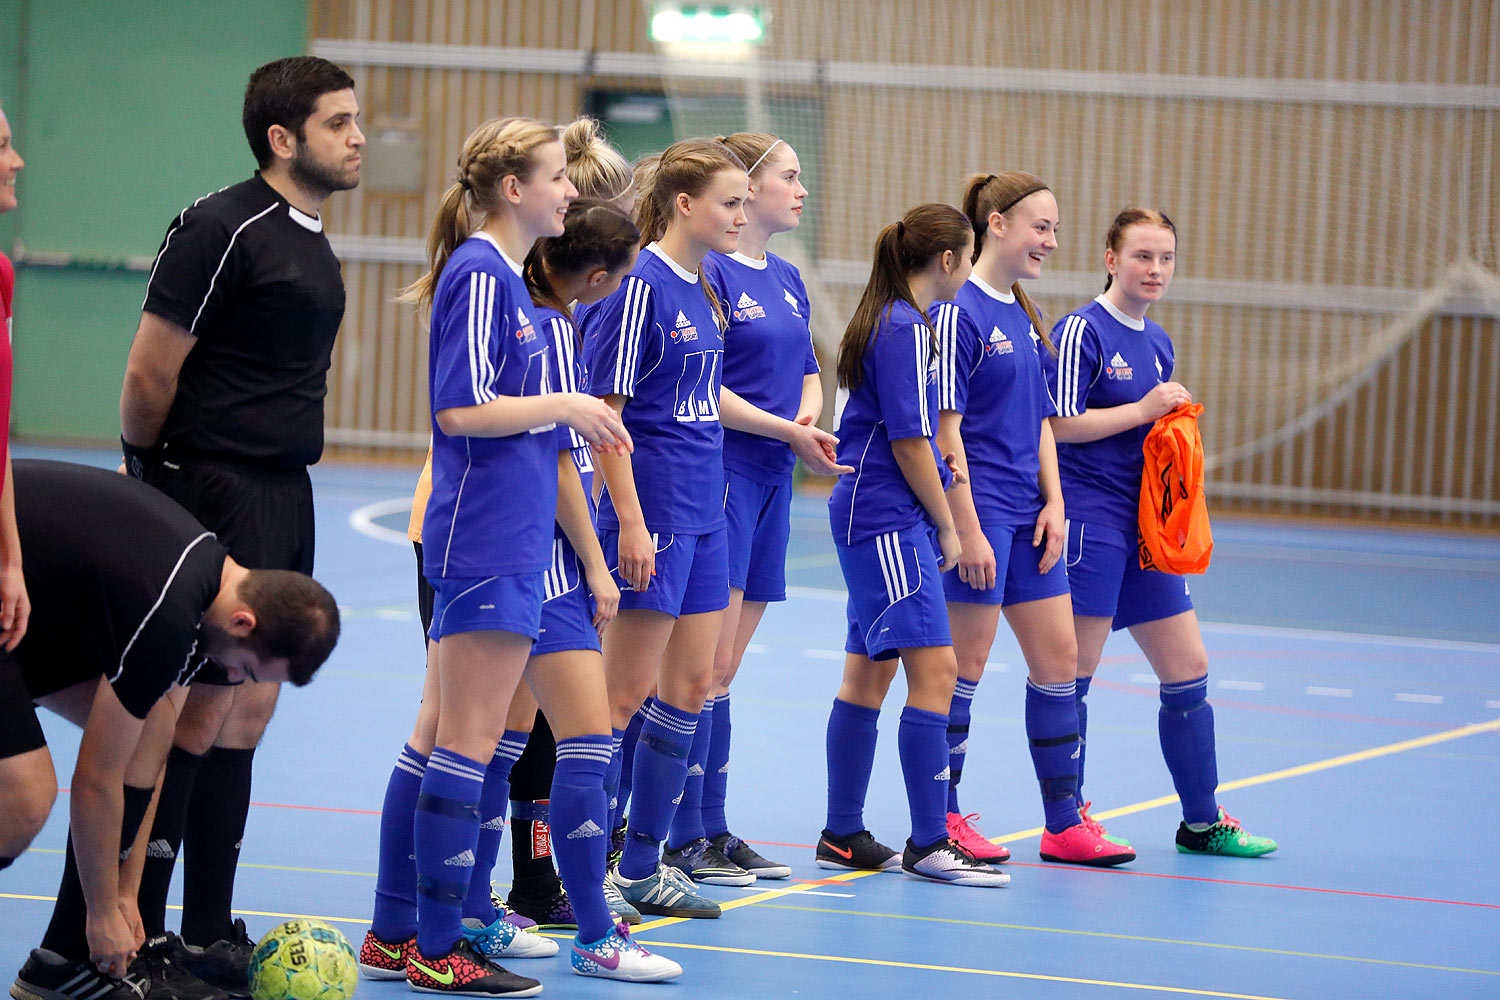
x: 587, y: 316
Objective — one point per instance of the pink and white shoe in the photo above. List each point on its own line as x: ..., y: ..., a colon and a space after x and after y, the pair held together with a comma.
x: 963, y: 832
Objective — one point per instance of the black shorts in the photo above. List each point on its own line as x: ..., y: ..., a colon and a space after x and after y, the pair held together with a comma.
x: 425, y: 595
x: 20, y: 732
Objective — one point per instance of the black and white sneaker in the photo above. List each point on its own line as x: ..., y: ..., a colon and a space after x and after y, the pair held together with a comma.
x: 161, y: 962
x: 858, y: 852
x: 701, y: 861
x: 748, y: 858
x: 48, y: 976
x: 945, y: 861
x: 226, y: 962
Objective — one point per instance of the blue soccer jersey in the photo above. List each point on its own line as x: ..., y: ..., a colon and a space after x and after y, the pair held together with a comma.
x: 768, y: 351
x: 990, y: 370
x: 1105, y: 358
x: 657, y: 341
x: 567, y: 358
x: 484, y: 345
x: 898, y: 398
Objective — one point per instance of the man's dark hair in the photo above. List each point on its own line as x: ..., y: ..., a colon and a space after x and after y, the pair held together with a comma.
x: 296, y: 619
x: 284, y: 93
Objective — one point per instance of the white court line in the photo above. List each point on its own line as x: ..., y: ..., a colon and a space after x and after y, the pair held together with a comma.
x: 1419, y: 699
x: 1232, y: 685
x: 997, y: 667
x: 1143, y: 679
x: 757, y: 648
x: 1327, y: 692
x: 1492, y: 704
x: 823, y: 654
x: 362, y: 520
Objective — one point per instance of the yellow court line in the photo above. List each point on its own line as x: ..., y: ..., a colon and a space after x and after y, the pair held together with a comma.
x: 246, y: 864
x: 1156, y: 803
x: 1132, y: 937
x: 955, y: 968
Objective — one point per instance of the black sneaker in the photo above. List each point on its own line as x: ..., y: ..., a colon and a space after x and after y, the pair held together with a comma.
x: 161, y: 963
x: 225, y: 963
x: 946, y: 861
x: 48, y: 976
x: 464, y: 971
x: 554, y: 911
x: 701, y: 861
x: 858, y: 851
x: 748, y: 858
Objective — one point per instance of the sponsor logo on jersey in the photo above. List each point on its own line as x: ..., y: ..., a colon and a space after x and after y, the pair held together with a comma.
x: 1118, y: 370
x: 791, y: 300
x: 747, y: 309
x: 525, y: 333
x: 999, y: 344
x: 684, y: 330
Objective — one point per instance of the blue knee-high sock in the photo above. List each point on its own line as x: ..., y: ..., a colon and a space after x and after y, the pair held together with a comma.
x: 627, y: 763
x: 716, y: 781
x: 612, y: 776
x: 924, y: 765
x: 579, y: 816
x: 660, y: 768
x: 1052, y: 728
x: 396, y: 881
x: 958, y: 736
x: 687, y: 822
x: 492, y: 803
x: 445, y: 832
x: 1186, y: 726
x: 1083, y: 729
x: 851, y: 755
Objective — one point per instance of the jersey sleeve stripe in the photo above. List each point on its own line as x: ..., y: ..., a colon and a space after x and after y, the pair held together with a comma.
x: 165, y: 587
x: 212, y: 281
x: 562, y: 345
x: 947, y: 329
x: 480, y: 317
x: 632, y: 323
x: 1068, y: 361
x: 924, y: 348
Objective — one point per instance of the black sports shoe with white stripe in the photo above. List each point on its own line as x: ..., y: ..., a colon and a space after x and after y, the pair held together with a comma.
x: 701, y: 861
x: 945, y: 861
x: 858, y: 852
x: 748, y: 858
x: 48, y: 976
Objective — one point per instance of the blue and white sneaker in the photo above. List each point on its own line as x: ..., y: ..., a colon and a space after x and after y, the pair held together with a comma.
x: 617, y: 904
x: 666, y: 892
x: 615, y: 956
x: 945, y: 861
x: 503, y: 939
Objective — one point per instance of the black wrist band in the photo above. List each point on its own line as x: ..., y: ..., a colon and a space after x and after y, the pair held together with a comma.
x: 137, y: 459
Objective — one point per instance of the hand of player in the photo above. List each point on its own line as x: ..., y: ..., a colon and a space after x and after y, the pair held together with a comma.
x: 951, y: 460
x: 1051, y: 527
x: 131, y: 911
x: 637, y: 556
x: 1163, y: 399
x: 976, y: 563
x: 606, y: 596
x: 15, y: 607
x: 598, y: 422
x: 816, y: 447
x: 111, y: 941
x: 949, y: 547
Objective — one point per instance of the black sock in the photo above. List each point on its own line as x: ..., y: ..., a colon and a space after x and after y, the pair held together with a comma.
x: 6, y: 863
x: 65, y: 932
x: 166, y: 838
x: 531, y: 839
x: 211, y: 844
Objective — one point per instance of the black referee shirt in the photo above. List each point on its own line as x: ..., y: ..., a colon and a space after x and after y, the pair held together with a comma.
x: 119, y: 576
x: 255, y: 281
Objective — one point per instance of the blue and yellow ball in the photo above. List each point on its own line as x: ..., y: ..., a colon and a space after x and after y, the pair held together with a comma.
x: 303, y: 960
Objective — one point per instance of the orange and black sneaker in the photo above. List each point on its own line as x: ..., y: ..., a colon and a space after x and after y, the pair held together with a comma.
x: 381, y: 959
x: 463, y: 971
x: 858, y: 851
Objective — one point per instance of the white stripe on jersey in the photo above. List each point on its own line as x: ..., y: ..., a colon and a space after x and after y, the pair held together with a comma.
x: 632, y: 331
x: 166, y: 586
x: 481, y: 313
x: 167, y: 243
x: 924, y: 355
x: 885, y: 569
x: 1069, y: 351
x: 565, y: 344
x: 209, y: 294
x: 947, y: 330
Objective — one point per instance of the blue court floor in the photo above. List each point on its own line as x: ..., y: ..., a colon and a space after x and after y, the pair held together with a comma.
x: 1355, y: 676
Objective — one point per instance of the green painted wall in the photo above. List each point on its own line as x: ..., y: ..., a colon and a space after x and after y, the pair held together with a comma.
x: 129, y: 111
x: 11, y: 23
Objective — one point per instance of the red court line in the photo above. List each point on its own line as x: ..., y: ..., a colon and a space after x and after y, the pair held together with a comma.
x: 1305, y: 713
x: 1258, y: 885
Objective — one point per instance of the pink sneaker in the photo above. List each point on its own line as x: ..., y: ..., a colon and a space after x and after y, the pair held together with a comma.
x: 1084, y: 844
x: 966, y: 835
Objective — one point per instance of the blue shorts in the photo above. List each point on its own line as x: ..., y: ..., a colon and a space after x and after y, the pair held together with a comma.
x: 1104, y: 569
x: 509, y: 603
x: 692, y: 574
x: 895, y: 597
x: 567, y: 607
x: 1017, y: 579
x: 759, y: 523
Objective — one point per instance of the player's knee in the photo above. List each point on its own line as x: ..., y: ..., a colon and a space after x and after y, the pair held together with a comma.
x: 248, y: 717
x: 202, y: 717
x: 26, y: 815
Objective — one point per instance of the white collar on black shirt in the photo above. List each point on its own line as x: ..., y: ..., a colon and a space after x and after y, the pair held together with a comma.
x: 994, y: 293
x: 499, y: 250
x: 759, y: 265
x: 1130, y: 321
x: 312, y: 223
x: 677, y: 268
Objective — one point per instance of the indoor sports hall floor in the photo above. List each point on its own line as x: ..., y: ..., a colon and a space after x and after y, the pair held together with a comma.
x: 1355, y: 675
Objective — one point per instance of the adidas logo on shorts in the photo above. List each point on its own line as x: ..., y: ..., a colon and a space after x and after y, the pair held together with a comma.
x: 696, y: 771
x: 464, y: 860
x: 588, y: 829
x: 942, y: 775
x: 745, y: 301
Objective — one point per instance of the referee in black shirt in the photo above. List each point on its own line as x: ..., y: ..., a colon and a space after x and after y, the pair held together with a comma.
x: 222, y: 409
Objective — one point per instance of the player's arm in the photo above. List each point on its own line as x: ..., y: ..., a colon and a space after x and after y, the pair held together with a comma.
x: 914, y: 457
x: 812, y: 444
x: 156, y: 357
x: 97, y: 804
x: 1098, y: 422
x: 976, y: 566
x: 636, y: 549
x: 15, y: 604
x: 812, y: 398
x: 577, y: 524
x: 1050, y: 523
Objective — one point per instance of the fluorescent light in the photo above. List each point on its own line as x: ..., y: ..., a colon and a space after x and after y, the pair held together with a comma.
x: 675, y: 23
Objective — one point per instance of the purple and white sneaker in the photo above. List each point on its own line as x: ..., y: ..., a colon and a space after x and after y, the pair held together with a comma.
x: 615, y: 956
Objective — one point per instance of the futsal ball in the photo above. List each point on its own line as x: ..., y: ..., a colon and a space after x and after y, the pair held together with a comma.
x: 303, y: 960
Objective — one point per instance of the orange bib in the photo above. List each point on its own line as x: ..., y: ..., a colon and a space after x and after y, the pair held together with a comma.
x: 1174, y: 532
